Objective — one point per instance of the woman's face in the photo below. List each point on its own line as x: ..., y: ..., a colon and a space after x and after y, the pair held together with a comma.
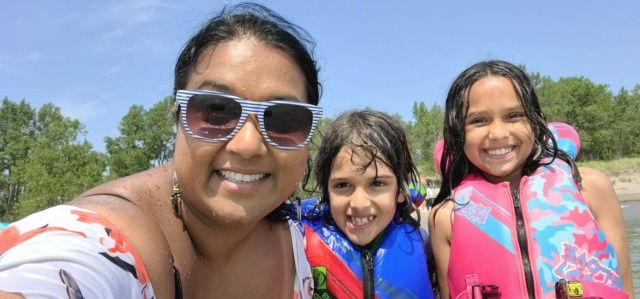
x: 498, y: 133
x: 240, y: 181
x: 362, y: 203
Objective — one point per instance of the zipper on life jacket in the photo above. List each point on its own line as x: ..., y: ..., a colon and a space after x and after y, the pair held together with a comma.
x: 522, y: 241
x: 367, y: 270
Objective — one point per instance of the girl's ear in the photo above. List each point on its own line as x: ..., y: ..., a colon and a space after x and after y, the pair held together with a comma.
x: 401, y: 198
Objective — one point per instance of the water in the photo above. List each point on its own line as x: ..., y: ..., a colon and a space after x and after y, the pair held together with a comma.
x: 631, y: 211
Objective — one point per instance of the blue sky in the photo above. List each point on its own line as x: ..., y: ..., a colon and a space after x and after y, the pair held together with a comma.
x: 94, y: 59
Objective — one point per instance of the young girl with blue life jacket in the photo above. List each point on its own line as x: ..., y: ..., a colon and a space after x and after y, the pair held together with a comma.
x: 361, y: 239
x: 514, y: 217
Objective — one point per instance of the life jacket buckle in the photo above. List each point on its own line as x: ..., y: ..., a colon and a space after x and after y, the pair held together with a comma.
x: 486, y: 290
x: 566, y: 289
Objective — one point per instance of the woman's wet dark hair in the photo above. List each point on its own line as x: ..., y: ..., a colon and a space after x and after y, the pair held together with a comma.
x: 380, y: 139
x: 454, y: 165
x: 251, y: 20
x: 254, y: 21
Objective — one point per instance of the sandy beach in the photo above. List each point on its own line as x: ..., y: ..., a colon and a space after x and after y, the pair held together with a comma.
x: 627, y: 184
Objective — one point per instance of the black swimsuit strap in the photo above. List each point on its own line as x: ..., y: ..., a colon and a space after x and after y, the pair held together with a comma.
x: 176, y: 274
x: 177, y: 282
x: 111, y: 194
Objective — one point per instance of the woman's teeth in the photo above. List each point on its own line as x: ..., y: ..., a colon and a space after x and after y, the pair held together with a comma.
x: 241, y: 178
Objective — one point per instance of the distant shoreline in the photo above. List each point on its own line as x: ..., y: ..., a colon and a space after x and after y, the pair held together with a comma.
x: 629, y: 197
x: 626, y: 184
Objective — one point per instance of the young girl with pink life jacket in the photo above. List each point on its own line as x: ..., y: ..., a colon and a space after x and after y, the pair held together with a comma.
x: 515, y: 217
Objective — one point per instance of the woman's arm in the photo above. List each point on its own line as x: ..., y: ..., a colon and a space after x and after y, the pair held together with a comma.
x: 5, y: 295
x: 601, y: 198
x: 440, y: 224
x: 66, y: 250
x: 145, y: 236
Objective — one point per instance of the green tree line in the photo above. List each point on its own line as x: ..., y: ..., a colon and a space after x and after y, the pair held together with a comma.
x: 45, y: 159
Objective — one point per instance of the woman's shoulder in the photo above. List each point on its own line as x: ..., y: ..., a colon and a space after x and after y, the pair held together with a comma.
x: 127, y: 204
x: 89, y: 245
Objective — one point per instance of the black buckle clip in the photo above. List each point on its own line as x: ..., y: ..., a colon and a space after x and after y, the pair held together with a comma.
x: 561, y: 289
x: 487, y: 290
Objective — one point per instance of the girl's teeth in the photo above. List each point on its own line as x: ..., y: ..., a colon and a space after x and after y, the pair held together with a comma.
x: 498, y: 152
x: 241, y: 178
x: 361, y: 221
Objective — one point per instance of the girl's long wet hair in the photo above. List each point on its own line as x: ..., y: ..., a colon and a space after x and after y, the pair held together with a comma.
x: 376, y: 136
x: 454, y: 165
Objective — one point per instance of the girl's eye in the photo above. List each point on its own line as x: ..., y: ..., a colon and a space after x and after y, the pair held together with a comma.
x: 377, y: 184
x: 516, y: 116
x: 477, y: 121
x: 341, y: 185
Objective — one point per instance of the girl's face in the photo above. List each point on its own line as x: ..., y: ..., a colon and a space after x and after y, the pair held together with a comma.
x: 362, y: 203
x: 499, y: 137
x: 239, y: 181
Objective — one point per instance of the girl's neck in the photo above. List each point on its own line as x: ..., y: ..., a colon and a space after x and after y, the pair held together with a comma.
x: 374, y: 244
x: 513, y: 179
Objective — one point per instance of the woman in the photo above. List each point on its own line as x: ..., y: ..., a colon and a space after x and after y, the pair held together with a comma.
x: 211, y: 222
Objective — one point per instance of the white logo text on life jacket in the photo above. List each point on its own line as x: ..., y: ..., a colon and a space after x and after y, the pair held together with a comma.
x: 576, y: 264
x: 476, y: 212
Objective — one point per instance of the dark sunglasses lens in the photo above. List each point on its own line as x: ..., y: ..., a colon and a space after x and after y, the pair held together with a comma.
x: 288, y: 125
x: 212, y: 116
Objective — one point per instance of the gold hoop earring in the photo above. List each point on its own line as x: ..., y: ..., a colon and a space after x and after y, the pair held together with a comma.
x: 176, y: 197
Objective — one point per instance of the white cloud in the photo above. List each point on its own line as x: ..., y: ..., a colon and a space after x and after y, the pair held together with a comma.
x: 15, y: 64
x: 131, y: 12
x: 125, y: 18
x: 145, y: 45
x: 115, y: 33
x: 113, y: 70
x: 83, y: 111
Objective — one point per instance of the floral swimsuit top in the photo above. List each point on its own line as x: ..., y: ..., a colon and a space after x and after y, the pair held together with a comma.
x: 70, y: 252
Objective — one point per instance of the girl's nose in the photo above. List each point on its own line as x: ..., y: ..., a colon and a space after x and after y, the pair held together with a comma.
x: 360, y: 199
x: 498, y: 130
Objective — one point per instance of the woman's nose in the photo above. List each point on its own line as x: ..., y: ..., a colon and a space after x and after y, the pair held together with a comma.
x: 248, y: 142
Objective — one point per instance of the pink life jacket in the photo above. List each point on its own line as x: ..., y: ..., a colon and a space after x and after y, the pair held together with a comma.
x: 559, y: 239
